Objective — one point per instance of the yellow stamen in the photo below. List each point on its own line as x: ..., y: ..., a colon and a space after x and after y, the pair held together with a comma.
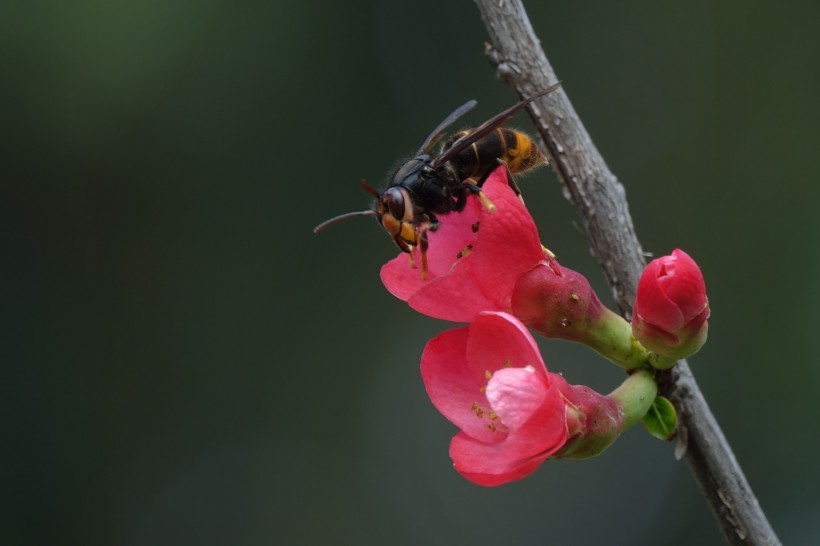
x: 477, y: 410
x: 465, y: 252
x: 548, y: 252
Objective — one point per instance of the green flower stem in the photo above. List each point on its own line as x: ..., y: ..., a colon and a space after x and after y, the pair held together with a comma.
x: 635, y: 397
x: 660, y: 362
x: 611, y: 336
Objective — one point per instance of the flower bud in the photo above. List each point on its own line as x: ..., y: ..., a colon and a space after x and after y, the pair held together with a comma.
x: 671, y: 307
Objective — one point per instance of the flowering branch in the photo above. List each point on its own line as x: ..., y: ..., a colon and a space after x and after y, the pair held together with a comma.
x: 600, y: 198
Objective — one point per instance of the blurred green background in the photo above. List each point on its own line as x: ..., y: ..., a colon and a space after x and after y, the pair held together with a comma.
x: 184, y: 362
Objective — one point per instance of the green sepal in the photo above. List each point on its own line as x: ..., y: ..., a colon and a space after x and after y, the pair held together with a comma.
x: 661, y: 420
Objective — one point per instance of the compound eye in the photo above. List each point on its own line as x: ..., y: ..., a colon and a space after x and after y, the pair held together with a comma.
x: 394, y: 200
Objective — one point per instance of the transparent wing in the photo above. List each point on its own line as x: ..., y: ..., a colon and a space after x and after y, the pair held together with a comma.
x: 434, y: 137
x: 486, y: 128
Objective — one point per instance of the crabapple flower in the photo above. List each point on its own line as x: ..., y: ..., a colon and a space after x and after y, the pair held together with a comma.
x: 671, y: 307
x: 492, y: 260
x: 489, y: 380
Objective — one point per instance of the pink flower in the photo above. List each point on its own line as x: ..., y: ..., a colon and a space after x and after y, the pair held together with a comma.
x: 671, y: 307
x: 490, y: 381
x: 475, y: 257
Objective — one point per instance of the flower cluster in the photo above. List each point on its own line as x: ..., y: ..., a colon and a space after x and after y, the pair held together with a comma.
x: 487, y: 267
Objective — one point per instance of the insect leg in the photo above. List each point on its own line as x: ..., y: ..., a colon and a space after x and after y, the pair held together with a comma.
x: 421, y: 237
x: 423, y: 245
x: 468, y: 186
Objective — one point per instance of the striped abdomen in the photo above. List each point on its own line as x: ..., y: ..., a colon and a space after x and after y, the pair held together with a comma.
x: 513, y: 147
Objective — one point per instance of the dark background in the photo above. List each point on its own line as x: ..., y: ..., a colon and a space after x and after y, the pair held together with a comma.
x: 184, y: 362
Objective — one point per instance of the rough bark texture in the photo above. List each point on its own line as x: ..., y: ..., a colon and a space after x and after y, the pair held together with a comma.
x: 601, y: 200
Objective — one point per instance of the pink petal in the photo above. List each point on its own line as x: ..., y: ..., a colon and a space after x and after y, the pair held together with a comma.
x: 684, y: 284
x: 399, y: 278
x: 545, y: 431
x: 654, y: 337
x: 522, y: 450
x: 514, y: 394
x: 453, y: 235
x: 496, y: 476
x: 508, y: 244
x: 453, y: 388
x: 652, y: 303
x: 454, y: 297
x: 499, y: 340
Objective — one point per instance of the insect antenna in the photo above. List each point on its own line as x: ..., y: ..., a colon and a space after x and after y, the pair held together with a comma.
x: 336, y: 219
x: 341, y: 217
x: 369, y: 189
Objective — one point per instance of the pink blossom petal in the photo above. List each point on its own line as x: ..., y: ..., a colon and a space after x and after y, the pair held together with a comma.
x: 683, y: 284
x: 522, y: 450
x: 514, y: 394
x: 491, y: 477
x: 545, y: 431
x: 451, y: 238
x: 652, y: 303
x: 508, y: 244
x: 454, y: 297
x: 400, y: 278
x: 499, y: 340
x: 455, y: 391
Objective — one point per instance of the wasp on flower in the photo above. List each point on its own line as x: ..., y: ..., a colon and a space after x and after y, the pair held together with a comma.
x: 429, y: 185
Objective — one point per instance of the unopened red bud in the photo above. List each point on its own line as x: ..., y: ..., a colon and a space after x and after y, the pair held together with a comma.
x: 671, y: 308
